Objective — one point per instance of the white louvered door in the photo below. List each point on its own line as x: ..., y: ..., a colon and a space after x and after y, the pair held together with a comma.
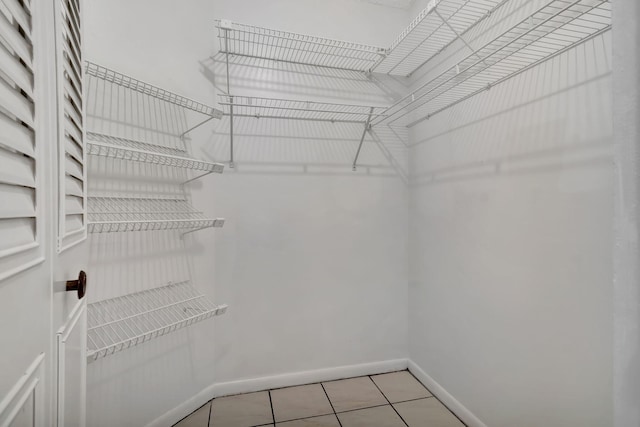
x: 21, y: 233
x: 42, y: 214
x: 25, y: 213
x: 72, y: 227
x: 69, y: 312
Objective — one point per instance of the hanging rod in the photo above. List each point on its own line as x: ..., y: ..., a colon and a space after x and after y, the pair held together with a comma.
x: 128, y: 82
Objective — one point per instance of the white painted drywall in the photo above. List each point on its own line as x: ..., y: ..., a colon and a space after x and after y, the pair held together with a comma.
x: 510, y: 225
x: 626, y: 108
x: 312, y: 259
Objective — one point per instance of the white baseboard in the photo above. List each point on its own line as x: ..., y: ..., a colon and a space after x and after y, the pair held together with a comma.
x: 275, y: 381
x: 445, y: 397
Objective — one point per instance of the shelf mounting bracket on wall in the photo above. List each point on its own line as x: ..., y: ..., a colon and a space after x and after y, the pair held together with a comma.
x: 367, y: 126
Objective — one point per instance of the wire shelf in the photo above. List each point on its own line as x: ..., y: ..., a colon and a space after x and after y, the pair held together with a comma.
x: 435, y: 28
x: 273, y: 108
x: 120, y: 323
x: 137, y: 151
x: 263, y: 43
x: 124, y: 214
x: 554, y: 28
x: 128, y: 82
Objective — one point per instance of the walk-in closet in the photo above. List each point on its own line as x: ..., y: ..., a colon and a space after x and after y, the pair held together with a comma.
x: 337, y: 213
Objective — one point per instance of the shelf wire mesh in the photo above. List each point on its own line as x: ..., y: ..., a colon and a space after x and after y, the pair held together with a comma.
x: 127, y: 149
x: 265, y: 43
x: 550, y: 30
x: 435, y: 28
x: 120, y: 323
x: 128, y: 82
x: 125, y: 214
x: 245, y: 106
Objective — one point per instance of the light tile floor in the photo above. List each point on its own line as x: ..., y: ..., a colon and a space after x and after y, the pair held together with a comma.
x: 396, y: 399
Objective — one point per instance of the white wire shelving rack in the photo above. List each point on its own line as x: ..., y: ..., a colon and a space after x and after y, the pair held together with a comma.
x: 552, y: 29
x: 120, y: 323
x: 126, y: 214
x: 433, y: 30
x: 115, y: 77
x: 138, y: 151
x: 264, y: 43
x: 275, y: 108
x: 250, y: 41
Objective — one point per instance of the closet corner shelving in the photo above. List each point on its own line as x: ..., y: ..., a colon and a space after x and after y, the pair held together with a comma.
x: 260, y: 43
x: 119, y: 323
x: 434, y: 29
x: 555, y: 27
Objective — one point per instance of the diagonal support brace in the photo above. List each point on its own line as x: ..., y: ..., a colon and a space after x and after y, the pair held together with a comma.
x: 367, y: 126
x: 459, y: 36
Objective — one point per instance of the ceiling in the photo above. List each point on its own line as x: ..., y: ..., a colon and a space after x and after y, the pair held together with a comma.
x: 400, y: 4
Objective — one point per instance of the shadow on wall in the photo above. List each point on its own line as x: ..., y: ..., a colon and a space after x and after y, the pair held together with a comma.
x: 289, y: 146
x: 130, y: 262
x: 134, y: 372
x: 552, y: 117
x: 145, y: 259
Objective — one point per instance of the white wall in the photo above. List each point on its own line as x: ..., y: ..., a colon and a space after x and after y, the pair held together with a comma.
x: 510, y: 225
x: 626, y: 96
x: 312, y: 259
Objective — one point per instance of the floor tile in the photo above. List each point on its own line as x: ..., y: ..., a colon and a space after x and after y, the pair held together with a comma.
x: 300, y: 402
x: 324, y: 421
x: 243, y: 410
x: 380, y: 416
x: 354, y: 393
x: 427, y: 413
x: 199, y: 418
x: 400, y: 386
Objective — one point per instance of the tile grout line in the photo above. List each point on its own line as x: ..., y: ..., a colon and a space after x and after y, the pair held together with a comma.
x: 321, y: 383
x: 436, y: 397
x: 331, y: 403
x: 412, y: 400
x: 362, y: 409
x: 273, y: 415
x: 313, y: 383
x: 385, y: 397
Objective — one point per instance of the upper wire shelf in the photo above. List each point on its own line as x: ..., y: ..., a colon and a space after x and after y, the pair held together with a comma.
x: 435, y: 28
x: 120, y: 323
x: 274, y: 108
x: 127, y: 149
x: 123, y: 214
x: 552, y: 29
x: 128, y: 82
x: 263, y: 43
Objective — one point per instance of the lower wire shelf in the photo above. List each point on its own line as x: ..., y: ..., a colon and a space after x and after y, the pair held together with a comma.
x: 120, y: 323
x: 124, y: 214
